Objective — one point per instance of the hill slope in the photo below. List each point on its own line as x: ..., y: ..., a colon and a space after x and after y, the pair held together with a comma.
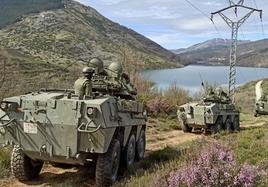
x: 77, y: 32
x: 245, y: 96
x: 216, y: 52
x: 13, y: 10
x: 56, y: 44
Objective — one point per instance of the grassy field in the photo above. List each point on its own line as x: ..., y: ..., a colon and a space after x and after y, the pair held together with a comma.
x: 250, y: 146
x: 168, y: 149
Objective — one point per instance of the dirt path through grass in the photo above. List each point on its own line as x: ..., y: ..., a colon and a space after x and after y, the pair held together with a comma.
x: 83, y: 176
x: 51, y: 176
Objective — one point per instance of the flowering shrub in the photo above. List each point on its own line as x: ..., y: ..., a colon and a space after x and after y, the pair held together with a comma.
x: 159, y: 104
x: 215, y: 166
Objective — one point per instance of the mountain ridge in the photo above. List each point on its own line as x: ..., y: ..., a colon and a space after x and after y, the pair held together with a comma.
x: 86, y: 34
x: 249, y: 53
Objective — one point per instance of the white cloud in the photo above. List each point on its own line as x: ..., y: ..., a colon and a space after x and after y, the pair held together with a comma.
x: 176, y: 16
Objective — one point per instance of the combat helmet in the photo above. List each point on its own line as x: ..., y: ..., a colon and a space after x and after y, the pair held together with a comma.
x: 97, y: 64
x: 115, y: 69
x: 88, y: 71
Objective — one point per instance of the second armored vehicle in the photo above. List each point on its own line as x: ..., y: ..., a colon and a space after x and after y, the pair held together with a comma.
x: 261, y: 105
x: 213, y: 113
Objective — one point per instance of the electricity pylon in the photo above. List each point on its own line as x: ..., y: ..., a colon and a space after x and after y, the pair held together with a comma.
x: 234, y: 25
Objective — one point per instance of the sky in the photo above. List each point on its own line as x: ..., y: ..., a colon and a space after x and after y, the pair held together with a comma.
x: 176, y: 24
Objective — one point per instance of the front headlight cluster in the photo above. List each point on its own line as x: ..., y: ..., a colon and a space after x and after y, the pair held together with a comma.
x: 92, y: 112
x: 9, y: 106
x: 4, y: 106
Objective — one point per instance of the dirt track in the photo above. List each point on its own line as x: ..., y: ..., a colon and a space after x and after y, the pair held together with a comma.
x: 51, y: 176
x: 83, y: 176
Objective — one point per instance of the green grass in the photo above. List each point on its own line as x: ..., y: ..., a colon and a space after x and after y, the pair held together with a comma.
x: 248, y: 119
x: 250, y: 147
x: 4, y: 162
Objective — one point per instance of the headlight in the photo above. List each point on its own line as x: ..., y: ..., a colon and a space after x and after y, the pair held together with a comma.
x: 144, y: 113
x: 91, y: 111
x: 4, y: 106
x: 2, y: 130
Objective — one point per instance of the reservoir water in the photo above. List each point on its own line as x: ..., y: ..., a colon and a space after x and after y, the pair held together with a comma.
x: 190, y: 77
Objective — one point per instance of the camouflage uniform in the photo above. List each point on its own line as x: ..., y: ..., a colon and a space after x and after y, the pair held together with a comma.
x: 115, y: 71
x: 83, y: 86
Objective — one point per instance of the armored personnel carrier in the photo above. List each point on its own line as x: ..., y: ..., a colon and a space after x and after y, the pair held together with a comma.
x: 59, y: 127
x: 261, y: 105
x: 215, y: 112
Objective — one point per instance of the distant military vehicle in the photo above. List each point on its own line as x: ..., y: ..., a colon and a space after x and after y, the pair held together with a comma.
x: 261, y: 105
x: 59, y: 127
x: 215, y: 112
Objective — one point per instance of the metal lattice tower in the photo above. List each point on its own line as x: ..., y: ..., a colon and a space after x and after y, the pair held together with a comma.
x: 234, y: 25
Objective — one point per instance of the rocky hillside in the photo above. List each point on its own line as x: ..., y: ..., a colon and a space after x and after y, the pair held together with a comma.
x: 49, y: 47
x: 77, y: 32
x: 216, y: 52
x: 13, y: 10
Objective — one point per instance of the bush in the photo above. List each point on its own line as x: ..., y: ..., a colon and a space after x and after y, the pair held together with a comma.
x: 215, y: 166
x: 163, y: 103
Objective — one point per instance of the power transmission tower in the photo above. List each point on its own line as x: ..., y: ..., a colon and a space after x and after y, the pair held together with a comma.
x: 234, y: 25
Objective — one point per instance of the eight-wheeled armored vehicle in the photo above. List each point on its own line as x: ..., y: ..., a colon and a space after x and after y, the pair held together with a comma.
x: 59, y: 127
x: 215, y: 112
x: 261, y: 105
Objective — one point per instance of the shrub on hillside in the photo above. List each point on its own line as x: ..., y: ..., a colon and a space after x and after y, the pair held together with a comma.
x: 214, y: 166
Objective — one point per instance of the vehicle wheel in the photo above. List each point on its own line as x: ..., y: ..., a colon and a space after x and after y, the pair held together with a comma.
x: 22, y: 167
x: 108, y: 165
x: 140, y: 146
x: 129, y: 152
x: 185, y: 128
x: 228, y: 125
x: 217, y: 127
x: 236, y: 124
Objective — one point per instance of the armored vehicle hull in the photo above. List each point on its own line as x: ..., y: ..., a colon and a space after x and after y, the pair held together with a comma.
x: 212, y: 117
x: 215, y: 112
x: 261, y: 107
x: 261, y: 104
x: 56, y: 126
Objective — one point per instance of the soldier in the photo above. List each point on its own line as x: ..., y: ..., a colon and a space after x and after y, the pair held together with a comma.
x: 83, y: 86
x: 97, y: 64
x: 221, y: 94
x: 115, y: 70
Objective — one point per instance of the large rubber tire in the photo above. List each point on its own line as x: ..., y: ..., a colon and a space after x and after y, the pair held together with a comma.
x: 107, y: 166
x: 228, y: 125
x: 236, y: 124
x: 185, y: 128
x: 140, y: 146
x: 129, y: 152
x: 22, y: 167
x: 217, y: 127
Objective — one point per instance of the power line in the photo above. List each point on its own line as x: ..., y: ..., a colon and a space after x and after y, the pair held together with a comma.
x: 234, y: 25
x: 262, y: 26
x: 195, y: 7
x: 204, y: 14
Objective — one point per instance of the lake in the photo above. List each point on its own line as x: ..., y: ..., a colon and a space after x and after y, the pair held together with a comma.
x: 190, y: 77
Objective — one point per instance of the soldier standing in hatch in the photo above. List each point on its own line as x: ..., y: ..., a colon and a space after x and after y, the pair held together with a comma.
x: 115, y: 70
x: 97, y: 64
x: 83, y: 85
